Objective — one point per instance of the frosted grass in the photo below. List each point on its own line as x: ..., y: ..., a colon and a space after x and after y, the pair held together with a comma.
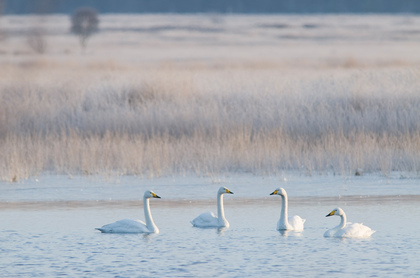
x: 211, y: 122
x: 159, y: 95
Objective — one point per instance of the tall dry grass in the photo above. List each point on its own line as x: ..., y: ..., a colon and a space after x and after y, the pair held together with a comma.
x: 207, y: 121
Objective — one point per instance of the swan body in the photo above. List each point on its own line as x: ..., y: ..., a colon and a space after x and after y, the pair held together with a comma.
x: 209, y: 219
x: 135, y: 226
x: 347, y: 229
x: 285, y: 223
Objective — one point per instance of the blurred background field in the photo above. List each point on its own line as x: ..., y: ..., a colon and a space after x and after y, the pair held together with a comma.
x: 206, y: 94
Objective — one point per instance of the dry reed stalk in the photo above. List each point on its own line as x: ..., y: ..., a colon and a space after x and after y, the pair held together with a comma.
x: 206, y: 122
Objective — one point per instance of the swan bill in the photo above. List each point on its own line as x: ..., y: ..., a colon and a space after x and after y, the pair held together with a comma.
x: 330, y: 214
x: 228, y: 191
x: 155, y: 196
x: 274, y: 192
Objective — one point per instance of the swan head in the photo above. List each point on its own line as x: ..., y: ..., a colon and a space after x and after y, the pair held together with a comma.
x: 337, y: 211
x: 223, y: 190
x: 150, y: 194
x: 279, y: 191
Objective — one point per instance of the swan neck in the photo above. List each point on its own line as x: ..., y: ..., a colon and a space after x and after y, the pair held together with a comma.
x: 343, y: 221
x: 148, y: 216
x: 284, y: 210
x: 220, y: 208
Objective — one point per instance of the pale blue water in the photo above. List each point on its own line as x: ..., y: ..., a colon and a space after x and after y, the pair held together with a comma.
x: 47, y: 228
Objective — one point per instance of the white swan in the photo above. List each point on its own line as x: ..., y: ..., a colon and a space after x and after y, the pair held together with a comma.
x: 208, y: 219
x: 292, y: 223
x: 134, y: 226
x: 347, y: 229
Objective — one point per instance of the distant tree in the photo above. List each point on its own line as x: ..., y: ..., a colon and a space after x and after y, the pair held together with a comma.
x: 84, y: 22
x: 36, y: 40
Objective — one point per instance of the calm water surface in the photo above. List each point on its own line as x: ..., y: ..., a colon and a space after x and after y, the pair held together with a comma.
x: 47, y: 228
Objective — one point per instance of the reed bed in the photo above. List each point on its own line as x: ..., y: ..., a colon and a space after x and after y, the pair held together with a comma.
x: 208, y: 121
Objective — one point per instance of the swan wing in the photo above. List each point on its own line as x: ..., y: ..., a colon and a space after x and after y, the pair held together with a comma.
x: 351, y: 230
x: 356, y: 230
x: 296, y: 223
x: 125, y: 226
x: 207, y: 219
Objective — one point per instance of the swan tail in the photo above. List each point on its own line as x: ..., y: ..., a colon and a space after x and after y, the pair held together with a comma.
x: 297, y: 223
